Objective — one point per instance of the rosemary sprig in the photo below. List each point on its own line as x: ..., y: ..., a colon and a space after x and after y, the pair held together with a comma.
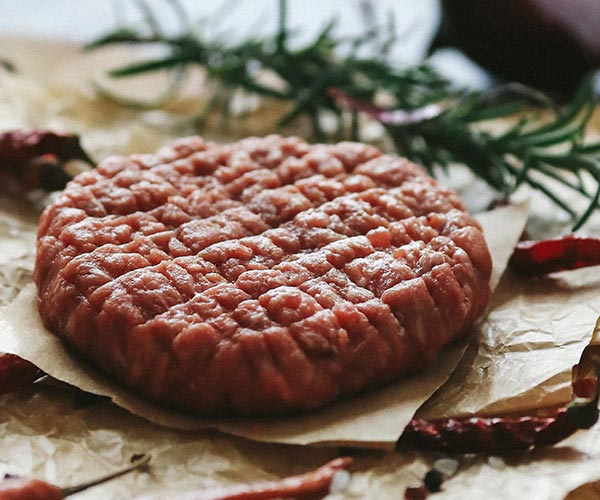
x: 428, y: 120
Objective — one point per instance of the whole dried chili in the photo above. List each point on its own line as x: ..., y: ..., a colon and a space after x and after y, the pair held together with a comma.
x: 16, y: 373
x: 312, y: 485
x: 500, y: 434
x: 35, y: 159
x: 558, y: 254
x: 497, y: 434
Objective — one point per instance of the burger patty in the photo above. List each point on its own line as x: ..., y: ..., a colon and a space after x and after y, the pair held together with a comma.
x: 263, y: 276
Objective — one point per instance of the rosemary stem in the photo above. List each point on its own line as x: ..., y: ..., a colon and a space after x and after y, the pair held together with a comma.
x: 282, y: 27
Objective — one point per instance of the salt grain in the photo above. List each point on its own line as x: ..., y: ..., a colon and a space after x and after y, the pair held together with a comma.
x: 446, y: 466
x: 340, y: 481
x: 496, y: 463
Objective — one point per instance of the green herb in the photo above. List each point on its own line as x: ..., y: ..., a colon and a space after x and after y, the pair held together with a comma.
x: 436, y: 125
x: 7, y: 65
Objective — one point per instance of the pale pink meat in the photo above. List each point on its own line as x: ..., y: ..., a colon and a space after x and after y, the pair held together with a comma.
x: 263, y: 276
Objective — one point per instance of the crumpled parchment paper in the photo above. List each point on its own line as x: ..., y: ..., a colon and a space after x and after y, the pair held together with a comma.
x: 520, y: 357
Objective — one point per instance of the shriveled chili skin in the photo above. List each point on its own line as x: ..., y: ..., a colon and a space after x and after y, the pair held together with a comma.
x: 487, y: 435
x: 34, y: 158
x: 20, y: 146
x: 29, y: 489
x: 553, y: 255
x: 16, y: 373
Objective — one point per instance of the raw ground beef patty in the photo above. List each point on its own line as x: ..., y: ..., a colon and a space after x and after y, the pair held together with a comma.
x: 264, y: 276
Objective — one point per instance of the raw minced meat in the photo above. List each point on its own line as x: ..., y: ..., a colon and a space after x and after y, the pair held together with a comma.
x: 263, y: 276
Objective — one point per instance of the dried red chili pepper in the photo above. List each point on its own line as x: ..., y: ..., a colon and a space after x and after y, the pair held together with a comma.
x: 558, y: 254
x: 36, y: 489
x: 16, y: 373
x: 312, y: 485
x: 499, y: 434
x: 35, y: 158
x: 490, y: 435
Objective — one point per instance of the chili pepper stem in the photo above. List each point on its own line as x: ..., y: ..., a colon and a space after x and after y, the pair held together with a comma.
x: 136, y: 462
x: 583, y: 411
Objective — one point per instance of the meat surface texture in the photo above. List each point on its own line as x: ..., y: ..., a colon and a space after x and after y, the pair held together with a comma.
x: 259, y: 277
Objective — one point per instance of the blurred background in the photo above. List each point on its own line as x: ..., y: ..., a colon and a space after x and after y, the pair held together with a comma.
x: 416, y: 20
x: 549, y: 44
